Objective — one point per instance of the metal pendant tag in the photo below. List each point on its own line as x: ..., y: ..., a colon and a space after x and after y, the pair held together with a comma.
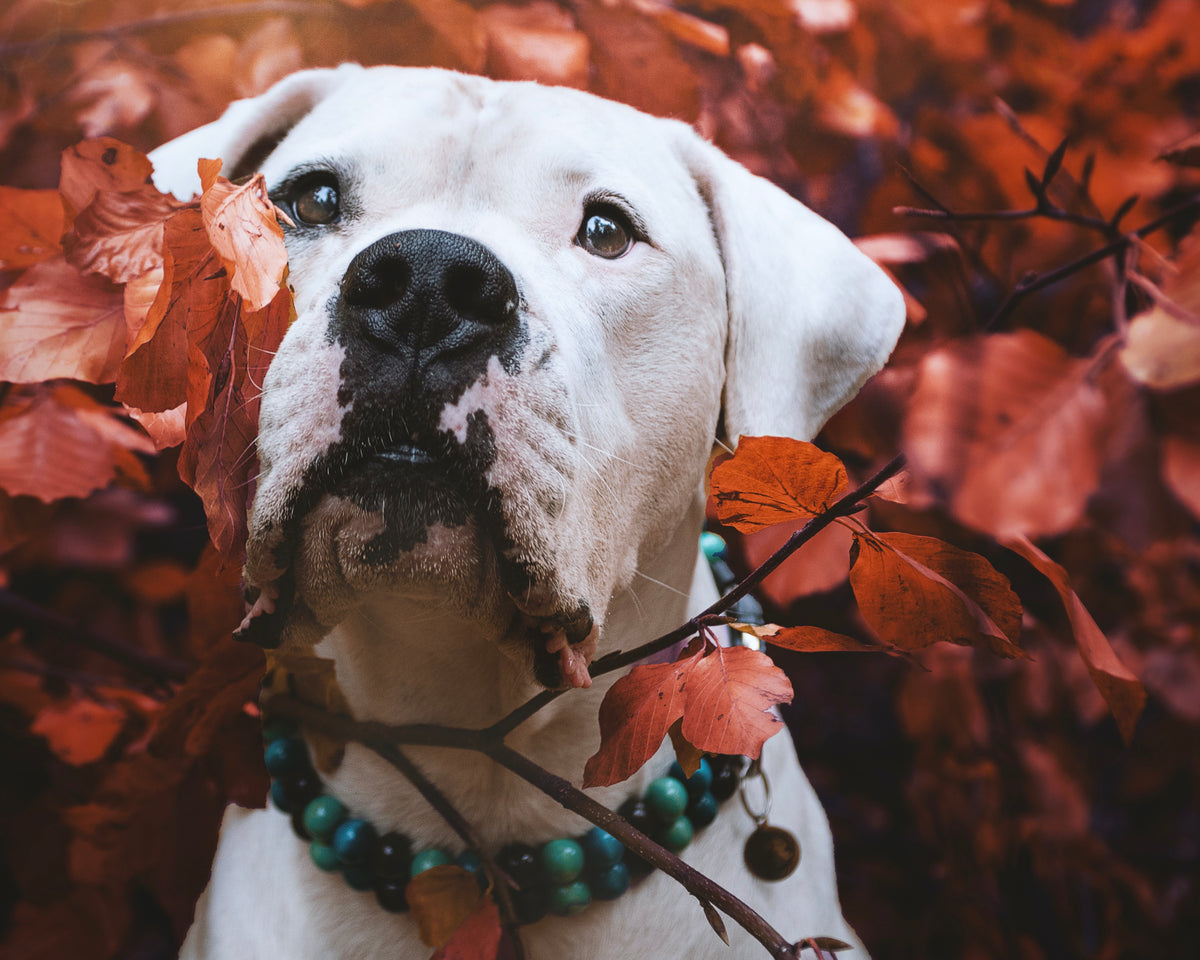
x: 771, y: 853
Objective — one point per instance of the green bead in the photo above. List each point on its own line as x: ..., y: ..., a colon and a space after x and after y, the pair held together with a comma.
x: 667, y: 798
x: 570, y: 898
x: 322, y: 816
x: 562, y: 860
x: 323, y: 855
x: 677, y: 836
x: 428, y: 859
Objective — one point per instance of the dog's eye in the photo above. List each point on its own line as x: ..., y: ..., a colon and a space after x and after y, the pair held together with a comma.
x: 317, y: 202
x: 605, y: 232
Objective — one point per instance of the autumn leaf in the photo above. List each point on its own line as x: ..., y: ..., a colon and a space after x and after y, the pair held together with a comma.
x: 477, y: 938
x: 1124, y: 693
x: 722, y: 695
x: 771, y: 480
x: 914, y: 591
x: 80, y: 731
x: 31, y: 223
x: 55, y: 323
x: 120, y: 235
x: 812, y: 640
x: 441, y: 900
x: 244, y: 231
x: 103, y: 165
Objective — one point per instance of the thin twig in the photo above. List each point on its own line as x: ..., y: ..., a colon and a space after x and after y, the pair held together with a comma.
x: 159, y: 669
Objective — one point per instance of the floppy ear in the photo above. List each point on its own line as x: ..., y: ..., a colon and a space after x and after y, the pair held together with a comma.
x: 246, y: 133
x: 810, y: 317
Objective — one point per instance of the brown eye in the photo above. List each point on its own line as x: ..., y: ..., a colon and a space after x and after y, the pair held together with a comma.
x: 605, y: 232
x: 317, y: 203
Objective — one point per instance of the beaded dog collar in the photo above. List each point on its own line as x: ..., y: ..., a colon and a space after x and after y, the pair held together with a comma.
x: 561, y: 876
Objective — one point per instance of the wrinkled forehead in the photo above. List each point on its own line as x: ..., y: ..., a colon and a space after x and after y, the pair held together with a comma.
x: 409, y: 135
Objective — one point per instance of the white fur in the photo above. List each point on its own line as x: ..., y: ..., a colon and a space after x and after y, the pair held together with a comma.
x: 744, y: 302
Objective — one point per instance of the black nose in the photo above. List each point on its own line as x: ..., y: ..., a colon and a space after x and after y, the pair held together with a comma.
x: 428, y: 291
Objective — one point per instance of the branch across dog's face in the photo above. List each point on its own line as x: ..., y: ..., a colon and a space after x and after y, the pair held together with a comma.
x: 521, y: 313
x: 505, y: 373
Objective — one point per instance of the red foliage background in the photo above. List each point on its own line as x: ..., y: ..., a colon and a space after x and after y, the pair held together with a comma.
x: 981, y: 807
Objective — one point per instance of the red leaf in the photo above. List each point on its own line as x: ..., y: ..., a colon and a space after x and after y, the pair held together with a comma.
x: 910, y: 604
x: 103, y: 164
x: 816, y: 640
x: 246, y: 235
x: 635, y: 716
x: 770, y: 480
x: 31, y: 222
x: 1124, y: 693
x: 120, y: 235
x: 56, y: 323
x: 478, y: 938
x: 80, y: 731
x: 442, y: 900
x: 729, y: 696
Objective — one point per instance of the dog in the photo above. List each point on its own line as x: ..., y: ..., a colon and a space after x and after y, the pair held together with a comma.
x: 524, y: 316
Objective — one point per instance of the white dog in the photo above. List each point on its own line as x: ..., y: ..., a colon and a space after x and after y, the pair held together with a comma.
x: 524, y: 315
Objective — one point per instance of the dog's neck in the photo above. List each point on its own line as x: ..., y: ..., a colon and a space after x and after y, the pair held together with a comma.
x: 403, y: 662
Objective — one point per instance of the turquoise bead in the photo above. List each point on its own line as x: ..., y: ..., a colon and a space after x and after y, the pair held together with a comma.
x: 428, y: 859
x: 354, y: 841
x: 323, y: 856
x: 568, y: 899
x: 601, y: 849
x: 667, y: 798
x: 562, y: 860
x: 677, y: 836
x: 285, y: 755
x: 611, y: 883
x: 279, y: 796
x: 702, y: 810
x: 713, y: 545
x: 469, y: 861
x: 322, y: 816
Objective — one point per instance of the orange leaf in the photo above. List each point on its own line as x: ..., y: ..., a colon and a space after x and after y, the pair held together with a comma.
x: 103, y: 164
x: 770, y: 480
x: 79, y: 731
x: 31, y: 222
x: 729, y: 696
x: 56, y: 323
x: 817, y: 640
x: 246, y: 235
x: 120, y: 235
x: 478, y: 938
x: 911, y: 605
x: 1124, y: 693
x: 442, y: 899
x: 635, y: 716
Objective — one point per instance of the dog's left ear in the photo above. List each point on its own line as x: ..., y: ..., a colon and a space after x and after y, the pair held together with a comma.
x: 810, y: 317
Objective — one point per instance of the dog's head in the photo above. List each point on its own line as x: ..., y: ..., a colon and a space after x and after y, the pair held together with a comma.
x: 523, y: 314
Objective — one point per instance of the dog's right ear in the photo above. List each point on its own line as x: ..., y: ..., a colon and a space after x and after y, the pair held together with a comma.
x: 246, y: 133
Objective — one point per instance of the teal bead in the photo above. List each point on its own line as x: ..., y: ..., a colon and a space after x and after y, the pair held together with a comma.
x: 354, y: 841
x: 323, y: 855
x: 702, y: 810
x: 568, y: 899
x: 601, y: 849
x: 713, y: 545
x: 469, y: 860
x: 610, y: 883
x: 428, y: 859
x: 677, y: 836
x: 284, y: 756
x: 562, y: 860
x: 358, y: 878
x: 322, y: 816
x: 666, y: 798
x: 700, y: 780
x: 275, y: 729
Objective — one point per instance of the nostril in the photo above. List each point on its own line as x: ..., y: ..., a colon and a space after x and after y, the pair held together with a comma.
x: 481, y: 294
x: 378, y: 285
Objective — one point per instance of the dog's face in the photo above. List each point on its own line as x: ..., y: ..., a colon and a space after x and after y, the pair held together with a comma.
x: 521, y: 314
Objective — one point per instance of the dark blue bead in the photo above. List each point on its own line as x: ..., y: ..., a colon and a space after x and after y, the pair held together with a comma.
x: 391, y: 896
x: 727, y: 774
x: 522, y: 864
x: 676, y: 771
x: 293, y: 793
x: 601, y: 849
x: 358, y: 877
x: 702, y: 810
x: 469, y: 861
x: 392, y: 858
x: 529, y: 905
x: 279, y: 796
x: 287, y: 755
x: 354, y: 841
x: 699, y: 782
x: 722, y: 573
x: 610, y: 883
x: 636, y: 812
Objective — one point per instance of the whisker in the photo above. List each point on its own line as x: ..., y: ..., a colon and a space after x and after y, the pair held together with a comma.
x: 665, y: 586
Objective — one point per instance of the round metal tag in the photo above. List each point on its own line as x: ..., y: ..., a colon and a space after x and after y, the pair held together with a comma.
x: 772, y: 853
